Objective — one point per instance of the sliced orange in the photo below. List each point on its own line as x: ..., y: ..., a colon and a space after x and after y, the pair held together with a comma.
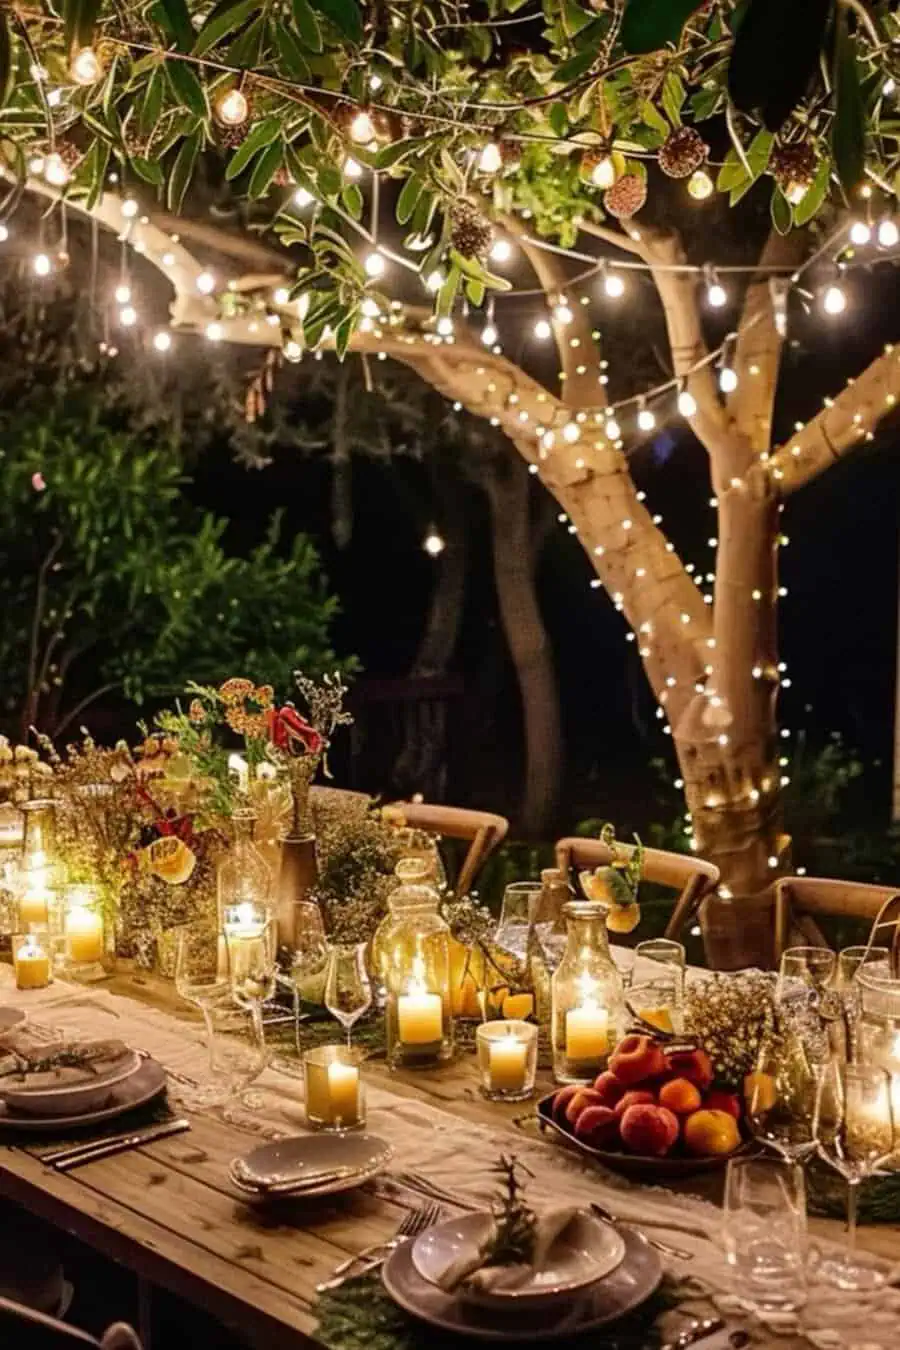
x: 623, y: 918
x: 518, y: 1007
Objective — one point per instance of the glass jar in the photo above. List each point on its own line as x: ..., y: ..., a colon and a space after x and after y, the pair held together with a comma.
x: 12, y: 833
x: 84, y: 932
x: 587, y: 997
x: 334, y: 1088
x: 39, y: 875
x: 412, y: 956
x: 244, y: 878
x: 507, y: 1059
x: 31, y: 958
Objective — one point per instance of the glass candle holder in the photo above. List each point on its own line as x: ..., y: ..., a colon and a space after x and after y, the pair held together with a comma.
x: 507, y: 1059
x: 38, y: 877
x: 335, y: 1097
x: 413, y: 959
x: 586, y: 997
x: 83, y: 927
x: 31, y: 960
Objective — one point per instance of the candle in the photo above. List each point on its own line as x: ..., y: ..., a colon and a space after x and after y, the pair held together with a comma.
x: 343, y: 1092
x: 420, y: 1015
x: 84, y: 934
x: 333, y: 1096
x: 34, y: 904
x: 32, y: 965
x: 587, y: 1026
x: 506, y: 1064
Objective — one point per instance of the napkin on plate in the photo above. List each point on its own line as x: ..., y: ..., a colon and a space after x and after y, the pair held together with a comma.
x: 33, y: 1066
x: 471, y: 1269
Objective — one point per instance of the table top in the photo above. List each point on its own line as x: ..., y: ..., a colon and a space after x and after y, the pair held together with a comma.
x: 167, y: 1212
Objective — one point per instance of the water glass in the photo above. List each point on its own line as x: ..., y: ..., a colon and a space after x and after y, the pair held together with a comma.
x: 252, y: 953
x: 658, y: 1001
x: 780, y: 1097
x: 309, y: 961
x: 238, y: 1055
x: 333, y: 1088
x: 657, y: 957
x: 851, y: 963
x: 507, y: 1059
x: 811, y: 967
x: 516, y: 916
x: 348, y: 992
x: 764, y: 1232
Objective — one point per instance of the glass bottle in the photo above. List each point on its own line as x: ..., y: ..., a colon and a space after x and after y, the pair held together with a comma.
x: 587, y: 998
x: 244, y: 879
x: 547, y: 937
x: 412, y: 957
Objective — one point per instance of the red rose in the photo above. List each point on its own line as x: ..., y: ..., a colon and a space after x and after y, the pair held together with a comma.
x: 289, y: 731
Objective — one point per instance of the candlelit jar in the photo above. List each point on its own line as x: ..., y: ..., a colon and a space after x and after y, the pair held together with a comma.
x: 39, y: 875
x: 31, y: 960
x: 412, y: 956
x: 83, y: 928
x: 414, y: 888
x: 243, y: 876
x: 507, y: 1059
x: 335, y: 1095
x: 586, y: 996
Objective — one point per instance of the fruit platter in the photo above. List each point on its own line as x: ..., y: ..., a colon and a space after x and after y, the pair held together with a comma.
x: 654, y: 1112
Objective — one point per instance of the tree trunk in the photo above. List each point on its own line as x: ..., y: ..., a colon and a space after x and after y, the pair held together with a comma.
x: 507, y: 486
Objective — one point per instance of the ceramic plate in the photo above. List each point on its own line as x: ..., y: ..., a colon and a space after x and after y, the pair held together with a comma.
x: 625, y: 1288
x: 301, y: 1157
x: 10, y: 1017
x: 588, y: 1251
x: 148, y: 1082
x: 72, y: 1099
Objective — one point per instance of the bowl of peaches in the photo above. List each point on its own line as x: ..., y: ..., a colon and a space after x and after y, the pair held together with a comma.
x: 654, y: 1112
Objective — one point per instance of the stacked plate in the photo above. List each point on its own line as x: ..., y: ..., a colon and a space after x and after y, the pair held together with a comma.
x: 597, y: 1274
x: 309, y: 1165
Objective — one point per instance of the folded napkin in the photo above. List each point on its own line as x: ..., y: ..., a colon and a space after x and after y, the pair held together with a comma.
x: 474, y: 1270
x: 30, y: 1065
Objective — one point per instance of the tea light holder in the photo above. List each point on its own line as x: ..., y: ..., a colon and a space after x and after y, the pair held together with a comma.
x: 335, y: 1097
x: 31, y: 960
x: 507, y: 1059
x: 83, y: 929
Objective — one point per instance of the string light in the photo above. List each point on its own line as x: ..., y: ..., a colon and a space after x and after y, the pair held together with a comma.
x: 205, y: 283
x: 281, y: 295
x: 362, y: 128
x: 375, y: 265
x: 433, y: 543
x: 860, y: 233
x: 613, y: 283
x: 128, y: 316
x: 55, y: 171
x: 571, y: 432
x: 501, y: 250
x: 728, y: 380
x: 122, y: 294
x: 888, y: 235
x: 646, y: 420
x: 86, y: 67
x: 370, y: 308
x: 687, y: 404
x: 302, y: 197
x: 42, y: 265
x: 542, y: 330
x: 445, y: 326
x: 834, y: 301
x: 716, y: 294
x: 613, y: 432
x: 490, y: 160
x: 352, y: 168
x: 700, y: 185
x: 232, y: 108
x: 130, y: 208
x: 162, y: 340
x: 293, y: 350
x: 215, y: 332
x: 562, y: 312
x: 4, y: 233
x: 434, y: 281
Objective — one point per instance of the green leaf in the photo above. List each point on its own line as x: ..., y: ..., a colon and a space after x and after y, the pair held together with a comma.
x: 353, y: 201
x: 177, y: 19
x: 149, y: 169
x: 475, y: 291
x: 848, y: 130
x: 329, y: 180
x: 733, y: 174
x: 673, y: 96
x: 343, y: 334
x: 815, y: 195
x: 246, y: 49
x: 269, y: 162
x: 409, y: 196
x: 151, y: 103
x: 392, y: 154
x: 780, y: 211
x: 97, y: 161
x: 307, y: 25
x: 446, y: 296
x: 79, y: 19
x: 222, y: 23
x: 558, y: 119
x: 575, y: 67
x: 291, y: 52
x: 346, y: 16
x: 650, y: 24
x: 182, y: 171
x: 653, y: 118
x: 187, y: 88
x: 5, y: 59
x: 262, y: 134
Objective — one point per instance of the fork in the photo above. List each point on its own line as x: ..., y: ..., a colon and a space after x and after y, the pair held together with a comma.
x: 412, y: 1224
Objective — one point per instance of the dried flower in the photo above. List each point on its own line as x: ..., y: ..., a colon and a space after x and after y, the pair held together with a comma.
x: 730, y: 1016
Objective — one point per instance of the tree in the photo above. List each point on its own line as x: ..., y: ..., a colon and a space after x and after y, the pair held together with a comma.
x: 112, y: 581
x: 567, y: 117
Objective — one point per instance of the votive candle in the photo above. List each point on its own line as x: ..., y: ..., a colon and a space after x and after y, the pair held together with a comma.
x: 32, y: 963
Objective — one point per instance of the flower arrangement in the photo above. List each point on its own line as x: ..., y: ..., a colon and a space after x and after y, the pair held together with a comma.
x: 23, y: 774
x: 731, y: 1016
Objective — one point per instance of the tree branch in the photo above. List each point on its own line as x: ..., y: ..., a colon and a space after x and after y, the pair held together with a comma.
x: 32, y: 693
x: 629, y: 243
x: 845, y: 423
x: 84, y: 703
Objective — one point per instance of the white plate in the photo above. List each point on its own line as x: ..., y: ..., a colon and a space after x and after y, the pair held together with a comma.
x: 624, y: 1289
x: 72, y: 1099
x: 304, y: 1155
x: 148, y: 1082
x: 588, y: 1251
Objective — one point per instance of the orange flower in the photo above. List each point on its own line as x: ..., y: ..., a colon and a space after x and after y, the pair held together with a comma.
x: 263, y: 694
x: 235, y: 690
x: 197, y: 712
x: 255, y: 724
x: 236, y: 719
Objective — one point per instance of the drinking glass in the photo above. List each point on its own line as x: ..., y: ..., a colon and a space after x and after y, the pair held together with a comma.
x: 516, y: 914
x: 309, y: 963
x: 252, y: 958
x: 348, y: 992
x: 854, y: 1129
x: 656, y: 957
x: 781, y: 1100
x: 764, y: 1232
x: 851, y: 962
x: 238, y: 1054
x: 811, y: 967
x: 202, y: 977
x: 658, y: 1001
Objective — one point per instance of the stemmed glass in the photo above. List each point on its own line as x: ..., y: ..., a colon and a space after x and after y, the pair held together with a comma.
x: 781, y: 1100
x: 658, y: 957
x: 855, y: 1134
x: 309, y: 963
x: 805, y: 1004
x: 348, y: 992
x: 809, y: 966
x: 252, y: 955
x: 852, y: 963
x: 516, y: 915
x: 764, y: 1232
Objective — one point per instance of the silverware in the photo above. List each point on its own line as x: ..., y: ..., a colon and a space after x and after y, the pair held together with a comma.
x: 422, y: 1185
x: 678, y: 1253
x: 697, y: 1331
x: 413, y: 1223
x: 106, y: 1148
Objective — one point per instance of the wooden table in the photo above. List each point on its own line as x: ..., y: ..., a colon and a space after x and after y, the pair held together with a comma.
x: 166, y: 1212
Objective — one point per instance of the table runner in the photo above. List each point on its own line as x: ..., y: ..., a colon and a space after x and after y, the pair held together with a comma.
x: 458, y: 1155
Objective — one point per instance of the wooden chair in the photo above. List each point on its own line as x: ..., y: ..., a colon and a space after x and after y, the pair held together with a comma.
x: 484, y: 831
x: 22, y: 1328
x: 799, y: 899
x: 693, y: 877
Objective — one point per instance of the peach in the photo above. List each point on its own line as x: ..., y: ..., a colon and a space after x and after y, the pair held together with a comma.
x: 694, y: 1065
x: 650, y: 1130
x: 609, y: 1088
x: 636, y: 1058
x: 680, y: 1096
x: 582, y: 1099
x: 597, y: 1126
x: 561, y: 1100
x: 636, y: 1097
x: 711, y: 1132
x: 717, y: 1100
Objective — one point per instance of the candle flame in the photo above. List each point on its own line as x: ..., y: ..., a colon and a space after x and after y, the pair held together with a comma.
x: 417, y: 983
x: 587, y: 988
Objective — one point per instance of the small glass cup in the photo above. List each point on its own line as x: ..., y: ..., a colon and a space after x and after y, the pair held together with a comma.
x: 31, y: 959
x: 658, y: 1001
x: 516, y: 916
x: 335, y: 1096
x: 507, y: 1059
x: 764, y: 1232
x: 809, y: 966
x: 657, y: 956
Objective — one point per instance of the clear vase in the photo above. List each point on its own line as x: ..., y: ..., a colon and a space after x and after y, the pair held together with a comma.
x: 587, y: 997
x: 412, y: 957
x: 243, y: 878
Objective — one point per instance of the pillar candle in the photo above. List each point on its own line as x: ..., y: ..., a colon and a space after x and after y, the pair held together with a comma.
x: 587, y: 1032
x: 506, y: 1064
x: 84, y: 934
x: 419, y: 1018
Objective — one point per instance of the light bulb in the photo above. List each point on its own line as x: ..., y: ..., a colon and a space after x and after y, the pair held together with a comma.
x: 603, y: 173
x: 490, y: 160
x: 232, y: 109
x: 375, y: 265
x: 205, y: 283
x: 445, y: 326
x: 302, y: 197
x: 687, y: 404
x: 501, y: 250
x: 128, y: 316
x: 716, y: 295
x: 292, y: 349
x: 888, y: 234
x: 362, y: 128
x: 281, y: 295
x: 86, y: 67
x: 42, y: 264
x: 434, y: 281
x: 489, y: 335
x: 370, y: 308
x: 55, y: 171
x: 646, y: 420
x: 433, y: 544
x: 860, y: 233
x: 728, y: 380
x: 562, y: 313
x: 542, y: 330
x: 834, y: 301
x: 375, y: 83
x: 613, y: 285
x: 889, y: 86
x: 612, y: 429
x: 215, y: 332
x: 162, y: 340
x: 129, y: 208
x: 123, y: 294
x: 168, y: 260
x: 571, y: 432
x: 352, y: 168
x: 700, y: 185
x: 795, y: 191
x: 4, y: 233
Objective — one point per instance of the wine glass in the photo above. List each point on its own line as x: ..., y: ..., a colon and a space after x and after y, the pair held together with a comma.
x: 658, y: 1001
x: 805, y: 1005
x: 238, y: 1054
x: 202, y: 977
x: 855, y: 1134
x: 804, y: 967
x: 852, y: 963
x: 657, y: 956
x: 348, y: 992
x: 764, y: 1232
x: 309, y: 963
x: 252, y: 953
x: 516, y: 915
x: 780, y: 1097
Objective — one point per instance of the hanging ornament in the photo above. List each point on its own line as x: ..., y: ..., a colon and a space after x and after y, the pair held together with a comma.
x: 470, y: 233
x: 683, y: 151
x: 626, y: 196
x: 232, y: 108
x: 700, y: 185
x: 794, y: 167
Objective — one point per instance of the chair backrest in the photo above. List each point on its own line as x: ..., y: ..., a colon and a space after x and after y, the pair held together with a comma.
x: 484, y: 830
x: 694, y: 878
x: 798, y: 900
x: 24, y: 1328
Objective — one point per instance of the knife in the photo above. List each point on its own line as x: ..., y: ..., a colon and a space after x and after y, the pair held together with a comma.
x: 106, y: 1148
